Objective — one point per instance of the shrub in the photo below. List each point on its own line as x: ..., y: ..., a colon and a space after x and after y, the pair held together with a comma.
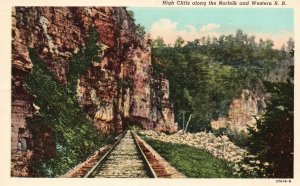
x: 74, y: 135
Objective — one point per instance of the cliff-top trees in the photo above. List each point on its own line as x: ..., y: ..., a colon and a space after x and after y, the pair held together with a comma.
x: 211, y: 71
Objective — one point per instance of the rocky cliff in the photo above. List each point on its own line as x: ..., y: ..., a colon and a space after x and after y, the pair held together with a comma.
x: 242, y: 112
x: 115, y: 92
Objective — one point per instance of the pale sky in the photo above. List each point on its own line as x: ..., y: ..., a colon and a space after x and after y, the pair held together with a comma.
x: 191, y: 23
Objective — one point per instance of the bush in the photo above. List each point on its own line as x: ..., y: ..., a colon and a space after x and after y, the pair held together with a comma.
x: 239, y: 138
x: 272, y: 139
x: 74, y: 135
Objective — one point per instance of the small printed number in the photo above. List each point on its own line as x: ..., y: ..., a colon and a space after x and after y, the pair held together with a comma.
x: 283, y: 181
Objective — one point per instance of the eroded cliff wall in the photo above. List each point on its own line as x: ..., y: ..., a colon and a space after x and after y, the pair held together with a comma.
x: 242, y: 112
x: 116, y: 91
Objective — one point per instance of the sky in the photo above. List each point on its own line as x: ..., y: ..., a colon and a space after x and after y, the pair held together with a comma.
x: 191, y: 23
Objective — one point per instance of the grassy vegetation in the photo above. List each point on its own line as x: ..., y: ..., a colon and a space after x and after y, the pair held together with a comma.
x: 192, y: 162
x: 74, y: 135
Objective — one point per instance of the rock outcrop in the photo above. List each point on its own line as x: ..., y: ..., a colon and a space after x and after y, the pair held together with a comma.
x: 242, y: 112
x: 117, y: 91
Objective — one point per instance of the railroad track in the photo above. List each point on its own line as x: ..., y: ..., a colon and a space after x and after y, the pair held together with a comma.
x: 128, y: 158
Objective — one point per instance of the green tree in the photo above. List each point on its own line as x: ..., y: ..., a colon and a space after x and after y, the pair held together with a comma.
x: 140, y: 30
x: 213, y: 72
x: 290, y: 44
x: 158, y: 43
x: 179, y: 42
x: 273, y: 137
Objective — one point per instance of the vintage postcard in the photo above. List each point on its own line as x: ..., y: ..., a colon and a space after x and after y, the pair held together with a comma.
x: 163, y: 92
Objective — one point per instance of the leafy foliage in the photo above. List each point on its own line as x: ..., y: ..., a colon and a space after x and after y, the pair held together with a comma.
x: 139, y: 29
x: 131, y: 14
x: 75, y: 136
x: 206, y: 74
x: 239, y: 138
x: 84, y: 58
x: 158, y: 43
x: 272, y: 140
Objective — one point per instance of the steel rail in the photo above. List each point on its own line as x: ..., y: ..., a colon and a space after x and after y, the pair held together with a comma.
x: 148, y: 166
x: 90, y: 173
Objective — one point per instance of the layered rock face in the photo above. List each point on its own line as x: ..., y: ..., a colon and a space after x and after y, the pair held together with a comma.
x: 117, y: 91
x: 241, y: 113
